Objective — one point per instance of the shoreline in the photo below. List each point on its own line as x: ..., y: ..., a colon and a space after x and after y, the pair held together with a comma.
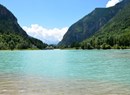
x: 59, y: 49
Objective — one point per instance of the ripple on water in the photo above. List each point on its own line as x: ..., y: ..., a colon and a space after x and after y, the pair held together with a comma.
x: 52, y: 86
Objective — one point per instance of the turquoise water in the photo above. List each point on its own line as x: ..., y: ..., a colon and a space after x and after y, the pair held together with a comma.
x: 111, y: 66
x: 102, y: 65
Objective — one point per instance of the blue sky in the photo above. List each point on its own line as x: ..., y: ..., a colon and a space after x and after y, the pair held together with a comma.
x: 51, y: 14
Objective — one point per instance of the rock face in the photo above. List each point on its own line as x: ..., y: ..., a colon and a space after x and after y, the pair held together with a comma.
x: 12, y: 36
x: 91, y: 24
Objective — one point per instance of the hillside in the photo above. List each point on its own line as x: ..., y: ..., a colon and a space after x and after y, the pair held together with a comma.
x: 115, y: 34
x: 98, y: 20
x: 12, y: 36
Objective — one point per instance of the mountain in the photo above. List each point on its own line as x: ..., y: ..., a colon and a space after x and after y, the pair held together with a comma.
x: 99, y: 22
x: 114, y: 34
x: 12, y: 36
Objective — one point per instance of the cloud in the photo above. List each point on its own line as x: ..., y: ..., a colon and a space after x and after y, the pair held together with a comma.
x: 50, y: 36
x: 111, y: 3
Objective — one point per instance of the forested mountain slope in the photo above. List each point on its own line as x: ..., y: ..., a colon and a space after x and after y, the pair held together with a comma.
x: 12, y: 36
x: 99, y: 22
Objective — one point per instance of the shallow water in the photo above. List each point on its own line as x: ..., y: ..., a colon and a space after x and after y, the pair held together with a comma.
x: 65, y: 72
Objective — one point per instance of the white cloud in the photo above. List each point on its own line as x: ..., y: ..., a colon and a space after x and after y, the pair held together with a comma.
x: 50, y: 36
x: 111, y: 3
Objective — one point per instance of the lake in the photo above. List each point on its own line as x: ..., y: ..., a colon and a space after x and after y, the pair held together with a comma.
x: 65, y: 72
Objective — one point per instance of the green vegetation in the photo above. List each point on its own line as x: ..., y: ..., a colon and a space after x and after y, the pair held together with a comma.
x: 12, y: 41
x: 121, y: 41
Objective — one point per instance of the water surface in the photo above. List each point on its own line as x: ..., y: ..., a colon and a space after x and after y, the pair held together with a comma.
x: 65, y: 72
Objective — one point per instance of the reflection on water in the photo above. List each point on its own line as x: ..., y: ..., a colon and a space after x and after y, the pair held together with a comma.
x: 65, y: 72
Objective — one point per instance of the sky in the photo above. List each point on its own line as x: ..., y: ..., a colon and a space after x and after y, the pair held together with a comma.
x: 49, y: 20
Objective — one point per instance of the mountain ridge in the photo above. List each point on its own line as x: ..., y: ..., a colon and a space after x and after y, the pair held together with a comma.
x: 115, y: 34
x: 90, y: 24
x: 12, y: 36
